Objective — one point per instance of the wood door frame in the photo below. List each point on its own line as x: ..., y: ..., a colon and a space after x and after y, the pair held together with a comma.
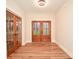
x: 41, y: 21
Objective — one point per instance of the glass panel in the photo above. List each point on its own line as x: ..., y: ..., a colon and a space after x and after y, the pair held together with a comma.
x: 10, y: 25
x: 18, y: 30
x: 45, y: 29
x: 36, y: 27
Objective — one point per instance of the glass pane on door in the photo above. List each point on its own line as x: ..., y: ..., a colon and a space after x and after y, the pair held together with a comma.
x: 45, y: 29
x: 36, y: 27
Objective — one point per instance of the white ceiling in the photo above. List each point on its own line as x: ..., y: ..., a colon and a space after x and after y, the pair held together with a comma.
x: 31, y: 6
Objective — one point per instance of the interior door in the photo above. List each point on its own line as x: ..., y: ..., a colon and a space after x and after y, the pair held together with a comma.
x: 36, y: 31
x: 10, y: 31
x: 41, y: 31
x: 46, y: 31
x: 13, y: 32
x: 18, y: 31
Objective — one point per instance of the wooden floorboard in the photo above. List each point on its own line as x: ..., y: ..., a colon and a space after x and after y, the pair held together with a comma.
x: 39, y: 51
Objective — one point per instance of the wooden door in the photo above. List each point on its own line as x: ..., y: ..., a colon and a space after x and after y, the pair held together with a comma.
x: 13, y: 29
x: 41, y: 31
x: 10, y: 32
x: 46, y: 31
x: 18, y: 32
x: 36, y: 31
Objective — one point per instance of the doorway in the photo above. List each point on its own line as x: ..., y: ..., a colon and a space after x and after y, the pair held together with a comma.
x: 41, y: 31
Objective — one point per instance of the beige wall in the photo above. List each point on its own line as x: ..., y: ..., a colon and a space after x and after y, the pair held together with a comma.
x: 64, y: 27
x: 12, y: 6
x: 39, y: 17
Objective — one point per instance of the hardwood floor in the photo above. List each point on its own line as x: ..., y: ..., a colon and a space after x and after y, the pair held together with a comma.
x: 39, y: 51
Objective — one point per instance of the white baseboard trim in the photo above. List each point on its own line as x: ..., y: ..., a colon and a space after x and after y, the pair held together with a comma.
x: 26, y: 43
x: 23, y: 44
x: 65, y: 50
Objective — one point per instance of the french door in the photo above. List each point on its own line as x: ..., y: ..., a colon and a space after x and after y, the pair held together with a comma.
x: 41, y: 31
x: 13, y: 32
